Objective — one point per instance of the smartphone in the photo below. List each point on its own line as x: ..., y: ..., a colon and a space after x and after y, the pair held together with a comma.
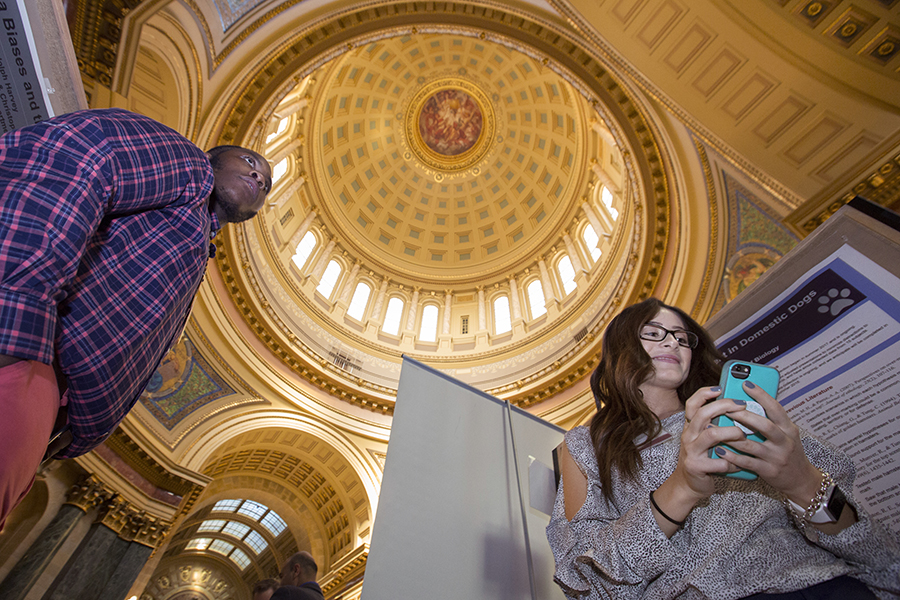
x: 734, y: 374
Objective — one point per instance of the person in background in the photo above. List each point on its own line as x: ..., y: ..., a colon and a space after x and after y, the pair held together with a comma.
x: 264, y: 589
x: 643, y: 511
x: 106, y: 221
x: 298, y: 579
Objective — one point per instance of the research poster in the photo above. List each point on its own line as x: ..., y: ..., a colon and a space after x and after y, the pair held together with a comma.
x: 22, y: 99
x: 835, y: 337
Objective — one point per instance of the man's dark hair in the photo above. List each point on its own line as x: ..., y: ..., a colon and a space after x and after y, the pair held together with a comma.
x: 215, y: 151
x: 265, y: 584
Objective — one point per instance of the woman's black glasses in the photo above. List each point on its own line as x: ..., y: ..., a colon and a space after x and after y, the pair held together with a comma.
x: 656, y: 333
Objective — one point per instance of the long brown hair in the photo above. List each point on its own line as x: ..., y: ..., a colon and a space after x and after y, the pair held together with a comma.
x: 622, y: 415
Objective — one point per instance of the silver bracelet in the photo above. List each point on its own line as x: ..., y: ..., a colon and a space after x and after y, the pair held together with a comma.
x: 805, y: 516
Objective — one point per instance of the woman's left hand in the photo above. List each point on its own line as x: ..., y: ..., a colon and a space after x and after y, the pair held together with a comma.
x: 780, y: 460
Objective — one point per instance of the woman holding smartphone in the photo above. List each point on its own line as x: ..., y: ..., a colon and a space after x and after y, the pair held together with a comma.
x: 642, y: 510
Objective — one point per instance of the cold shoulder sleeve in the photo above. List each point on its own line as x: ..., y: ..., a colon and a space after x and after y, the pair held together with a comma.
x: 604, y: 551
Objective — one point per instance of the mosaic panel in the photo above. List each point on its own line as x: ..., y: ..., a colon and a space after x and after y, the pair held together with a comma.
x: 757, y: 239
x: 231, y: 11
x: 183, y: 382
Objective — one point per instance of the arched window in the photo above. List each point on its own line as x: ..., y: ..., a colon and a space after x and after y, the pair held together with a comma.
x: 282, y: 125
x: 359, y: 301
x: 566, y: 274
x: 249, y: 534
x: 536, y: 299
x: 304, y: 249
x: 428, y: 329
x: 279, y: 170
x: 606, y: 198
x: 392, y: 316
x: 238, y: 530
x: 591, y: 242
x: 502, y: 321
x: 258, y: 512
x: 329, y: 279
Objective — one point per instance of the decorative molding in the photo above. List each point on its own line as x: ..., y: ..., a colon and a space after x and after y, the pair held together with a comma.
x: 146, y: 466
x: 881, y: 186
x: 713, y: 232
x: 346, y: 571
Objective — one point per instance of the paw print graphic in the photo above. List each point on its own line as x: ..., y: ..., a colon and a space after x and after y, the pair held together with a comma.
x: 836, y: 304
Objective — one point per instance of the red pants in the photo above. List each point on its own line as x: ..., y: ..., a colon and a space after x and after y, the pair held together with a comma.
x: 29, y: 401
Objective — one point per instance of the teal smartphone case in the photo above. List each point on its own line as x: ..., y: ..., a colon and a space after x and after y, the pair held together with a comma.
x: 732, y: 386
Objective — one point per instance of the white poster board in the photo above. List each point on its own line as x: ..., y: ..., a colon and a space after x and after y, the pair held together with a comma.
x: 450, y: 516
x: 830, y: 323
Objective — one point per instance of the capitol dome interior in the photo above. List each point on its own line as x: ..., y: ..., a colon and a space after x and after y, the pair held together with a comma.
x: 479, y: 186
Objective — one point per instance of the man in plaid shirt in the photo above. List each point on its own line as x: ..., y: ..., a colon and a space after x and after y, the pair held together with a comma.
x: 106, y: 219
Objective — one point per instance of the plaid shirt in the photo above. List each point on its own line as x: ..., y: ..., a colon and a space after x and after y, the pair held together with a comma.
x: 104, y: 237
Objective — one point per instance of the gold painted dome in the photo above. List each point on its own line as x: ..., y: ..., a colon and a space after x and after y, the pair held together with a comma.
x: 445, y: 158
x: 482, y: 199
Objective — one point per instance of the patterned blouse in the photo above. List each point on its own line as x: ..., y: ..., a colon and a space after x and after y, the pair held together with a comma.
x: 738, y: 542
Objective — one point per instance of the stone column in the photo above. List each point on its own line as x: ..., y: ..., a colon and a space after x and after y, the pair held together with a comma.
x: 286, y: 151
x: 348, y: 286
x: 448, y: 297
x: 83, y: 496
x: 482, y: 310
x: 594, y: 219
x: 323, y: 262
x: 22, y: 577
x: 547, y: 284
x: 573, y: 254
x: 413, y: 310
x: 110, y: 556
x: 603, y: 131
x: 294, y: 107
x: 481, y: 334
x: 603, y: 176
x: 514, y: 303
x: 379, y: 300
x: 301, y: 231
x: 445, y: 340
x: 288, y: 193
x: 515, y: 307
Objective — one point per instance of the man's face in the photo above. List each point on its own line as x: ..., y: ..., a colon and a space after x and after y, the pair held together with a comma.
x: 263, y: 595
x: 243, y: 179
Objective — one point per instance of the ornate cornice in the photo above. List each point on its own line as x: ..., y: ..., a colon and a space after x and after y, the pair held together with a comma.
x: 348, y: 570
x: 146, y: 466
x: 881, y: 186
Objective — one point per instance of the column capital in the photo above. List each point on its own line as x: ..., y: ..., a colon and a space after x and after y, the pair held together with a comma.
x: 132, y: 524
x: 88, y: 493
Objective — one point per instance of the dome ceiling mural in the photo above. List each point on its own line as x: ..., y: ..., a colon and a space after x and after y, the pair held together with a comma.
x: 451, y: 151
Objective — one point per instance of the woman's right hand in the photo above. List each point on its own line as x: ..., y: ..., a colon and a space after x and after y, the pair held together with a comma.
x: 692, y: 480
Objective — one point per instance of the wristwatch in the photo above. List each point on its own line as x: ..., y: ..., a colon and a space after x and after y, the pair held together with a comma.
x: 829, y: 510
x: 833, y: 508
